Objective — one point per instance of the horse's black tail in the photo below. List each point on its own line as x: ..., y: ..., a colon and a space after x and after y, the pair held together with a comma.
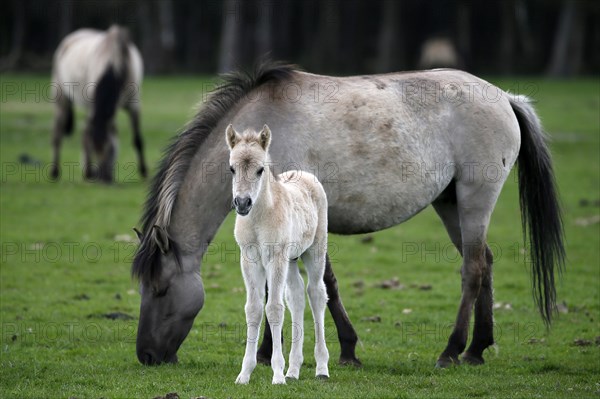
x: 540, y: 209
x: 111, y: 83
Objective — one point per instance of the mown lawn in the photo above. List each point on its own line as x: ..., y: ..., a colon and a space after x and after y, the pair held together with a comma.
x: 65, y: 259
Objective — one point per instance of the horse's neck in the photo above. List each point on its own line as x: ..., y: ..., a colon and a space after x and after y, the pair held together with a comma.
x: 204, y: 199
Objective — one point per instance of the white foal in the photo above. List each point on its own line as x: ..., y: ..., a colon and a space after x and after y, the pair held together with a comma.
x: 280, y: 219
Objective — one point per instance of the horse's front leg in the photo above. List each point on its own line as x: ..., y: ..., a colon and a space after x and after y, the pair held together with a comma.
x: 63, y: 123
x: 138, y: 143
x: 275, y: 309
x: 254, y: 279
x: 346, y: 333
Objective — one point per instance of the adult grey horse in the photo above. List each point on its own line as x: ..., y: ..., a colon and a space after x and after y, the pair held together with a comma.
x: 100, y: 71
x: 384, y: 147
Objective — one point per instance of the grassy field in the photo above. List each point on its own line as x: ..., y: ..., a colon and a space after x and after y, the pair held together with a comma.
x: 66, y: 254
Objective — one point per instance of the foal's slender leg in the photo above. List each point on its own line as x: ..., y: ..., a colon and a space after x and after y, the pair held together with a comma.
x: 346, y: 333
x: 265, y: 351
x: 63, y: 122
x: 294, y: 295
x: 314, y: 262
x: 254, y: 279
x: 275, y: 309
x: 475, y: 203
x: 134, y: 115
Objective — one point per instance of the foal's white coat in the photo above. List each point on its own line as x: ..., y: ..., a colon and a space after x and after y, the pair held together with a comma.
x: 280, y: 219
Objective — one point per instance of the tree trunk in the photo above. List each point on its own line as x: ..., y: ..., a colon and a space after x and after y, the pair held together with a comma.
x: 18, y: 36
x: 507, y: 40
x: 263, y: 28
x: 568, y: 43
x: 464, y: 33
x: 232, y: 20
x: 389, y: 46
x: 166, y: 34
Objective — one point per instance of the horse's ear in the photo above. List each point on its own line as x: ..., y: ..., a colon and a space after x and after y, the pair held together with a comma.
x: 139, y: 234
x: 231, y: 136
x: 265, y: 137
x: 162, y: 239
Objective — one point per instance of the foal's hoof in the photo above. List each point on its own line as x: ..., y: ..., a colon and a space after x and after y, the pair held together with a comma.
x: 472, y: 359
x: 350, y: 361
x: 291, y: 379
x: 279, y: 380
x: 322, y: 377
x: 446, y: 361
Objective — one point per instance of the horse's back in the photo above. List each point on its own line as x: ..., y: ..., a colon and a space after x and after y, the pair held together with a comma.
x: 82, y: 58
x: 385, y: 146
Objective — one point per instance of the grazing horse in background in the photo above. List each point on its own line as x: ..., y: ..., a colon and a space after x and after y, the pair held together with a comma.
x: 280, y: 219
x: 100, y: 71
x: 384, y: 147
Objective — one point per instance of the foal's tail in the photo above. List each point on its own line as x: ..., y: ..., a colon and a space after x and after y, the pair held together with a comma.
x: 110, y: 83
x: 540, y: 209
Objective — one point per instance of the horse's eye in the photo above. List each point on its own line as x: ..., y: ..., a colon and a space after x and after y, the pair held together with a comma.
x: 160, y: 293
x: 260, y: 171
x: 232, y: 170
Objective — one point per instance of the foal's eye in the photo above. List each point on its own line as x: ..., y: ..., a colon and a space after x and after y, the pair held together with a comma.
x: 260, y: 171
x: 232, y: 170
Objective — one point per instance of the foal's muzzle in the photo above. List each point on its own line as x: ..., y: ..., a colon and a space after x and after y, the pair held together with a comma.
x: 242, y: 205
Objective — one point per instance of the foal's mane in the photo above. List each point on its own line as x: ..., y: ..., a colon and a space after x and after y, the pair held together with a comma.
x: 178, y: 155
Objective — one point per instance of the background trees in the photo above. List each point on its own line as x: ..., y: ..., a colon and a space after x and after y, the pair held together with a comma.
x: 559, y: 37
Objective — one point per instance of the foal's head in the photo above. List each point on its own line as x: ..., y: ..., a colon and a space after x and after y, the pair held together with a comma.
x: 249, y: 155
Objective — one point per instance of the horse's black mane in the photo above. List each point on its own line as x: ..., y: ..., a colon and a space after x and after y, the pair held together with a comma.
x: 178, y: 155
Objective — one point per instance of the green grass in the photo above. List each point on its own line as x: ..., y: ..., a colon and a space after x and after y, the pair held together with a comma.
x: 62, y: 269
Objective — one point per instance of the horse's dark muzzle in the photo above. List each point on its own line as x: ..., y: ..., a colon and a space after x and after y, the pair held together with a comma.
x: 149, y: 358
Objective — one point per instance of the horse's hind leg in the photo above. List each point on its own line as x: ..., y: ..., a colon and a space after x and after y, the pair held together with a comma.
x: 483, y: 332
x: 134, y: 115
x: 475, y: 203
x: 63, y: 124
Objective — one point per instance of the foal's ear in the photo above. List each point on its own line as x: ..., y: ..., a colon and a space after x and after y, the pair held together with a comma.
x: 265, y: 137
x: 231, y: 136
x: 161, y: 237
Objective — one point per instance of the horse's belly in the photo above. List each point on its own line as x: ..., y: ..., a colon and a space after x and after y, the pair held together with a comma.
x: 377, y: 207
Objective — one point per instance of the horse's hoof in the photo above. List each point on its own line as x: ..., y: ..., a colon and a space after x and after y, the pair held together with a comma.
x: 291, y: 379
x: 54, y: 174
x: 445, y: 362
x: 353, y: 361
x: 472, y: 360
x: 322, y: 377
